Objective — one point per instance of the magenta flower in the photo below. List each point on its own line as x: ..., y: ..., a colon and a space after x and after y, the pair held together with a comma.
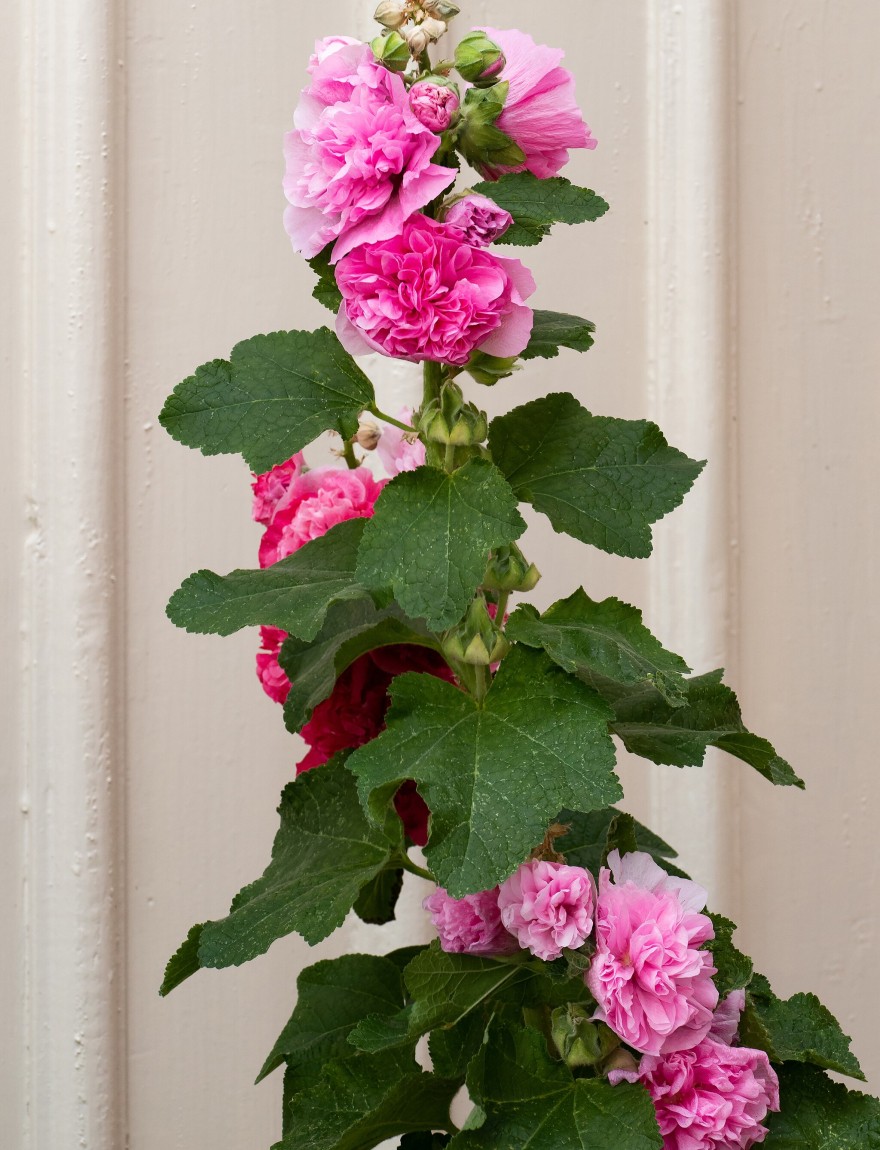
x: 469, y: 925
x: 652, y: 983
x: 427, y: 295
x: 358, y: 161
x: 479, y: 220
x: 398, y: 450
x: 548, y: 906
x: 540, y: 114
x: 713, y: 1097
x: 275, y: 682
x: 434, y: 105
x: 271, y: 487
x: 725, y: 1021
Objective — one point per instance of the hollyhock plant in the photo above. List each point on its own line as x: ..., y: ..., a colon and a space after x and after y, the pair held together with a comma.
x: 548, y: 907
x: 478, y: 219
x: 425, y: 295
x: 469, y: 925
x: 358, y: 161
x: 652, y: 983
x: 541, y: 114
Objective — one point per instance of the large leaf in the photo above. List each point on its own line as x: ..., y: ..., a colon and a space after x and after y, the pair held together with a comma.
x: 818, y: 1114
x: 276, y: 394
x: 351, y: 628
x: 734, y: 969
x: 586, y: 842
x: 377, y: 902
x: 362, y: 1100
x: 799, y: 1029
x: 602, y: 480
x: 601, y: 641
x: 293, y: 594
x: 332, y: 997
x: 538, y: 204
x: 431, y: 535
x: 531, y: 1100
x: 495, y: 775
x: 680, y: 736
x: 552, y: 330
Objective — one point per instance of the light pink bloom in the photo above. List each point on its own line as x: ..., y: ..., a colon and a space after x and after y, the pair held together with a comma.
x: 469, y: 925
x: 358, y: 161
x: 725, y: 1021
x: 652, y: 984
x: 434, y: 105
x: 398, y: 451
x: 272, y: 486
x: 479, y: 220
x: 540, y: 114
x: 712, y: 1097
x: 426, y: 295
x: 275, y: 683
x: 315, y: 502
x: 548, y: 906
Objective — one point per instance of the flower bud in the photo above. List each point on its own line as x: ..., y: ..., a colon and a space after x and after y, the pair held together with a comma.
x: 480, y: 141
x: 479, y: 60
x: 435, y: 102
x: 480, y: 220
x: 580, y: 1041
x: 488, y: 369
x: 391, y: 50
x: 477, y: 639
x: 417, y: 39
x: 442, y: 9
x: 392, y: 14
x: 434, y: 28
x: 369, y: 433
x: 450, y: 420
x: 509, y: 570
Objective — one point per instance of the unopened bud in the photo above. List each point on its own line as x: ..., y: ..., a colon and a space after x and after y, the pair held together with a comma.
x: 417, y: 39
x: 435, y: 102
x: 442, y: 9
x: 580, y: 1041
x: 621, y: 1059
x: 488, y: 369
x: 479, y: 60
x: 509, y: 570
x: 369, y: 433
x: 477, y: 639
x: 480, y: 140
x: 392, y: 14
x: 450, y: 420
x: 392, y: 51
x: 434, y: 28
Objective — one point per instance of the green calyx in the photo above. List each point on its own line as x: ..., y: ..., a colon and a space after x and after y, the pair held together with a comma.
x: 581, y: 1042
x: 480, y: 141
x: 489, y: 369
x: 509, y: 570
x: 478, y: 639
x: 479, y: 60
x: 450, y: 421
x: 392, y: 50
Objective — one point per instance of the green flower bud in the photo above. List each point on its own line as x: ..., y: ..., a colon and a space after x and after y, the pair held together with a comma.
x: 450, y: 420
x: 580, y: 1041
x: 442, y: 9
x: 480, y: 141
x: 392, y: 14
x: 488, y: 369
x: 509, y: 570
x: 479, y: 60
x: 391, y: 50
x: 477, y: 639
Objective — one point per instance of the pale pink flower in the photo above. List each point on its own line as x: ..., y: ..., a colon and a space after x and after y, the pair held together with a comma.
x: 712, y: 1097
x: 540, y: 114
x: 272, y: 486
x: 275, y: 682
x: 548, y: 906
x: 315, y: 502
x: 434, y: 105
x: 398, y: 450
x: 469, y: 925
x: 725, y: 1021
x: 358, y: 161
x: 479, y: 220
x: 426, y: 295
x: 652, y: 983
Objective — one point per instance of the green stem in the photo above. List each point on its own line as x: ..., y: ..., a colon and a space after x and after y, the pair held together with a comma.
x: 433, y: 377
x: 449, y: 458
x: 413, y: 868
x: 482, y: 680
x: 349, y: 456
x: 501, y: 609
x: 394, y: 422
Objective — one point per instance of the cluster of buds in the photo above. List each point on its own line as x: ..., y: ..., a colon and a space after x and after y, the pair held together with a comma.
x: 451, y: 421
x: 478, y: 639
x: 581, y: 1042
x: 415, y: 23
x: 509, y: 570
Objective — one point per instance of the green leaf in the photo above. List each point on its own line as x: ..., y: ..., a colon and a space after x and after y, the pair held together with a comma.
x: 352, y: 628
x: 332, y: 997
x: 586, y: 842
x: 818, y: 1114
x: 605, y: 641
x: 602, y: 480
x: 531, y: 1100
x: 326, y: 290
x: 293, y: 594
x: 538, y: 204
x: 431, y: 534
x: 553, y: 330
x: 365, y: 1099
x: 799, y: 1029
x: 277, y: 393
x: 377, y: 901
x: 680, y: 736
x: 734, y: 968
x: 495, y: 775
x: 452, y: 1048
x: 184, y: 962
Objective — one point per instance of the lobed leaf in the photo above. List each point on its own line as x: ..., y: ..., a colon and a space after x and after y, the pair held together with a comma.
x: 818, y: 1114
x: 586, y: 842
x: 552, y: 330
x: 538, y: 204
x: 735, y: 969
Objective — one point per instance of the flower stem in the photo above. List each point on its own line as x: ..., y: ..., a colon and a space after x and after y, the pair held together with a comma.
x: 349, y: 456
x: 449, y: 458
x: 413, y: 868
x: 433, y: 376
x: 394, y: 422
x: 501, y: 609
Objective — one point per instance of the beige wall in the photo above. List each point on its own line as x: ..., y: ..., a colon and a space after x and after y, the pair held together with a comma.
x: 773, y: 232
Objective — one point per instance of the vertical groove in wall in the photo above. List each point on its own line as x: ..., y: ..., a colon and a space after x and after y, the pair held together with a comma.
x: 689, y: 349
x: 72, y: 644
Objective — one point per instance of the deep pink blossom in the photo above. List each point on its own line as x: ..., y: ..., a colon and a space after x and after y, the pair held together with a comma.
x: 271, y: 488
x: 725, y: 1021
x: 435, y: 105
x: 541, y: 113
x: 315, y: 502
x: 479, y: 220
x: 712, y: 1097
x: 358, y: 161
x: 652, y: 983
x: 469, y: 925
x: 548, y: 906
x: 398, y: 450
x: 275, y: 683
x: 425, y: 295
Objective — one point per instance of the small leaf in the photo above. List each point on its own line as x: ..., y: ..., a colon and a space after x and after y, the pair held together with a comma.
x: 734, y: 968
x: 601, y: 641
x: 585, y: 843
x: 799, y: 1029
x: 604, y: 481
x: 293, y: 594
x: 493, y: 776
x: 538, y: 204
x: 377, y: 901
x: 818, y: 1114
x: 680, y: 736
x: 326, y: 290
x: 621, y: 836
x: 277, y: 393
x: 554, y: 329
x: 184, y: 962
x: 431, y: 534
